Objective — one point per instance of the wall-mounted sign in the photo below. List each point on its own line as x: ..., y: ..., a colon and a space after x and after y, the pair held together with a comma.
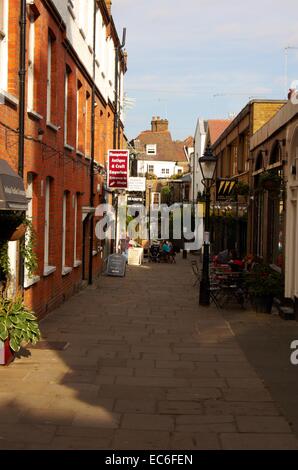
x: 137, y: 184
x: 118, y: 165
x: 225, y: 189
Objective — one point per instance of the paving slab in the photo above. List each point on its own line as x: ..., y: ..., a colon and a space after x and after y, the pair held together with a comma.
x: 148, y: 368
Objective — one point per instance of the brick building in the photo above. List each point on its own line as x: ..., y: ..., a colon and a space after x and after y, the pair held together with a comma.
x: 65, y: 68
x: 231, y: 212
x: 274, y: 230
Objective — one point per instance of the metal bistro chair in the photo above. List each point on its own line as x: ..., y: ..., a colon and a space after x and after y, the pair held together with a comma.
x: 196, y: 271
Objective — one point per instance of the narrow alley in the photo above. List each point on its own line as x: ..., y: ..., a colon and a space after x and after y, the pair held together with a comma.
x: 135, y: 363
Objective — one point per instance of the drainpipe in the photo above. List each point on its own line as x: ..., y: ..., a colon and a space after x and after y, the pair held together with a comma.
x: 116, y: 136
x: 117, y: 87
x: 22, y: 80
x: 91, y: 236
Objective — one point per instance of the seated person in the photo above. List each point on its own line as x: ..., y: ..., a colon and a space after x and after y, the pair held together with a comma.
x: 172, y: 252
x: 235, y: 262
x: 223, y: 257
x: 166, y: 251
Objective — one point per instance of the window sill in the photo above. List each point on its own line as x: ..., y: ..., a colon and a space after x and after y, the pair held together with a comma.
x: 34, y: 115
x: 79, y: 153
x: 87, y: 157
x: 8, y: 98
x: 30, y: 281
x: 69, y: 147
x: 48, y: 270
x: 77, y: 263
x: 66, y: 270
x: 53, y: 127
x: 71, y: 12
x: 83, y: 33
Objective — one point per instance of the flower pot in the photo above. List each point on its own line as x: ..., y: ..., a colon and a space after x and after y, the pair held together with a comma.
x: 18, y: 233
x: 6, y: 354
x: 263, y: 304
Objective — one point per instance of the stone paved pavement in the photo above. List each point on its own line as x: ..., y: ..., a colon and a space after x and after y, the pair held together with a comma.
x: 146, y: 368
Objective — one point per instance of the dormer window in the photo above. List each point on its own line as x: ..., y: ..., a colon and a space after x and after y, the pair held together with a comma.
x: 151, y: 149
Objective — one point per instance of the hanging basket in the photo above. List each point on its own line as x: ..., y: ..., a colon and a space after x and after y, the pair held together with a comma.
x: 19, y: 233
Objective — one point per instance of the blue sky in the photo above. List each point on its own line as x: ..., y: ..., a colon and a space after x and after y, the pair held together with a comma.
x: 182, y: 53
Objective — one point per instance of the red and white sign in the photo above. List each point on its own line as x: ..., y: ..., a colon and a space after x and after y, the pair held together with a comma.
x: 118, y: 167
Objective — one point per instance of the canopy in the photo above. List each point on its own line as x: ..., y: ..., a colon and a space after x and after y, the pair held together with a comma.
x: 12, y: 191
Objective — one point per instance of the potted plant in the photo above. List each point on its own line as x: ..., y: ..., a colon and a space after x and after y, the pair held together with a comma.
x: 18, y: 325
x: 263, y: 284
x: 270, y: 180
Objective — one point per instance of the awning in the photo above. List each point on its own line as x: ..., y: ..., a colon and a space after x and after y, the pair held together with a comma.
x: 12, y: 191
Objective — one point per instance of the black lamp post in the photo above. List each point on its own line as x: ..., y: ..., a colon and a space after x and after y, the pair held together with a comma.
x: 207, y: 165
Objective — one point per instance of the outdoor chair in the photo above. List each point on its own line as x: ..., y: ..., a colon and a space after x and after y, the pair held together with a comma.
x: 196, y: 272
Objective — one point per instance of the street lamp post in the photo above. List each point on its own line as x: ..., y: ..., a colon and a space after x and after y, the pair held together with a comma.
x: 150, y: 185
x: 207, y: 165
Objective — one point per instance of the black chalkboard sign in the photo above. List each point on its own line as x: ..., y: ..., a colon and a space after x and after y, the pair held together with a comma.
x: 116, y: 265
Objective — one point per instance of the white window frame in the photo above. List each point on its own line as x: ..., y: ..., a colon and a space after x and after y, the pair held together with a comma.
x: 151, y: 149
x: 167, y: 171
x: 47, y: 222
x: 66, y: 90
x: 75, y: 228
x: 31, y: 54
x: 87, y: 102
x: 30, y: 280
x: 4, y: 45
x: 151, y: 169
x: 49, y: 79
x: 78, y: 115
x: 64, y: 221
x: 163, y: 171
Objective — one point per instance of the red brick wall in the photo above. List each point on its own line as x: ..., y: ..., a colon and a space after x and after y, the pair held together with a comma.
x: 45, y: 156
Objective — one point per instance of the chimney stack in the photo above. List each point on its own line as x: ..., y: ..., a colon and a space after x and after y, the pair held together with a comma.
x: 109, y: 5
x: 159, y: 125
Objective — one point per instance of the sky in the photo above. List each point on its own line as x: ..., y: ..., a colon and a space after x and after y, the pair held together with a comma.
x: 204, y: 58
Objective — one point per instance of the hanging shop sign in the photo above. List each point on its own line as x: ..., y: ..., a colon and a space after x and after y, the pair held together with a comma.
x: 225, y: 189
x: 12, y: 191
x: 118, y: 167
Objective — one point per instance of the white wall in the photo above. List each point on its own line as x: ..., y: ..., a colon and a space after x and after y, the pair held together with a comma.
x: 158, y: 167
x: 105, y: 49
